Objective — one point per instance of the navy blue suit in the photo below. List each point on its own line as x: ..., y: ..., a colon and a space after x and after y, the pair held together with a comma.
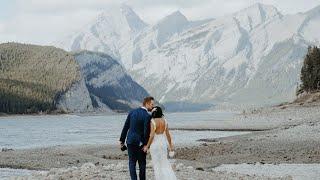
x: 136, y: 131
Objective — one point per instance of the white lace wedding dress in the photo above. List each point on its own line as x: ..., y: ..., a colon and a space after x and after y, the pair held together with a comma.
x: 159, y: 155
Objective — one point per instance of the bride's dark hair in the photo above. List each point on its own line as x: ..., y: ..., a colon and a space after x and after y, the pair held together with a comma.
x: 157, y: 113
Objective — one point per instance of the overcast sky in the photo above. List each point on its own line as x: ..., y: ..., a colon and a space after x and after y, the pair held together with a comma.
x: 44, y: 21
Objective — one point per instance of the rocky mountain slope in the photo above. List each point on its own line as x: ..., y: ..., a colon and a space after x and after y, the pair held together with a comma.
x: 109, y: 85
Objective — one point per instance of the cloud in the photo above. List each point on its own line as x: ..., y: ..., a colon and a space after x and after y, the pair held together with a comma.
x: 1, y: 27
x: 46, y: 28
x: 54, y: 6
x: 44, y: 21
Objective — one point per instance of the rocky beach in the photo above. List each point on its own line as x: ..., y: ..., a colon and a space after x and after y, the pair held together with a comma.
x: 239, y: 83
x: 284, y: 134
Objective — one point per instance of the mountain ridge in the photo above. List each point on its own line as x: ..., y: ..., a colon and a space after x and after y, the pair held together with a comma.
x: 220, y: 60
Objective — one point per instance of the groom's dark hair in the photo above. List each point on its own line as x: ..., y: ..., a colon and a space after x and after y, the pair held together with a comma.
x: 147, y: 100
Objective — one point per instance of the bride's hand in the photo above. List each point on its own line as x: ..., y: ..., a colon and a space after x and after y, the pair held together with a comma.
x: 145, y: 149
x: 171, y: 154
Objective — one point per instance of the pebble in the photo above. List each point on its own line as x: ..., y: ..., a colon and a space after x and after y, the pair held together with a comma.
x: 6, y: 149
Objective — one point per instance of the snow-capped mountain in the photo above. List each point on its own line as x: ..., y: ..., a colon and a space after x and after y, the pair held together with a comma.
x: 253, y: 56
x: 153, y: 37
x: 107, y: 33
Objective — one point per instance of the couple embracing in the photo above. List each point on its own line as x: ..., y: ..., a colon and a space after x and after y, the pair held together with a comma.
x: 147, y: 129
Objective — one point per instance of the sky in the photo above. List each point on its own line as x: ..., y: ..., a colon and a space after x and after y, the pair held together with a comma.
x: 46, y: 21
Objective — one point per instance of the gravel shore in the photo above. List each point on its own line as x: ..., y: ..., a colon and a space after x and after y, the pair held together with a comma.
x: 293, y: 137
x: 119, y: 172
x: 291, y: 134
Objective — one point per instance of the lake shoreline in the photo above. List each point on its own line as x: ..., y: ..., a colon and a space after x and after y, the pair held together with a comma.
x: 221, y: 130
x: 292, y: 138
x: 60, y: 114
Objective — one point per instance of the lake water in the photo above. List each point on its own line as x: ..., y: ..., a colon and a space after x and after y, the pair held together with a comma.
x: 20, y: 132
x: 42, y: 131
x: 6, y: 173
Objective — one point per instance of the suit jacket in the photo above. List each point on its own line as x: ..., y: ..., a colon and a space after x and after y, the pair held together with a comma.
x: 137, y: 123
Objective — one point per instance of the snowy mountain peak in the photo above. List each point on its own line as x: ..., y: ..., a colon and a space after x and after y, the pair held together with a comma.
x: 126, y: 8
x: 314, y: 11
x: 256, y: 15
x: 134, y: 21
x: 175, y: 17
x: 170, y: 25
x: 264, y: 11
x: 123, y: 15
x: 268, y: 9
x: 106, y: 33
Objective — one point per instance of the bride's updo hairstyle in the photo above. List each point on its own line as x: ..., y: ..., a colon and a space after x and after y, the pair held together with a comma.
x: 157, y: 113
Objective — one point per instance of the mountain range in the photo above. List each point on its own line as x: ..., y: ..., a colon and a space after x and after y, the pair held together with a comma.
x: 251, y: 57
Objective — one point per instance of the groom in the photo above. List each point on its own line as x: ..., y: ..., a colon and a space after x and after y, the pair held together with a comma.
x: 137, y: 124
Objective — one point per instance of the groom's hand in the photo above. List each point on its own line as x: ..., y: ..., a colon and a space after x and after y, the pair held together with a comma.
x: 121, y: 144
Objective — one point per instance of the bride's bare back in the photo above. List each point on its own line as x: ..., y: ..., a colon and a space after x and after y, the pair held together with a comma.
x: 160, y: 125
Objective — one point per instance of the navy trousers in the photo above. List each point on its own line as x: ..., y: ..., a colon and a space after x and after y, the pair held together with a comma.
x: 136, y: 154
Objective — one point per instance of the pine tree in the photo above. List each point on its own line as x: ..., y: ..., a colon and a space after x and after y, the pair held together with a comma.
x: 310, y: 72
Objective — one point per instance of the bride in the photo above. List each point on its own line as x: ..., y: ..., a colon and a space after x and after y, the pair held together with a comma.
x: 159, y: 132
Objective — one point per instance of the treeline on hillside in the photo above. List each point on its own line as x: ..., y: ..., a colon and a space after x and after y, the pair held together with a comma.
x: 310, y: 72
x: 33, y: 77
x: 22, y: 97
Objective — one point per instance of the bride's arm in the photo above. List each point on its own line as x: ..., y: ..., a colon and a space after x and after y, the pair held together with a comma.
x: 168, y: 134
x: 152, y: 133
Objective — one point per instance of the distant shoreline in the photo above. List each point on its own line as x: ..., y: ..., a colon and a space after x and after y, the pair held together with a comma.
x: 59, y: 114
x: 213, y: 129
